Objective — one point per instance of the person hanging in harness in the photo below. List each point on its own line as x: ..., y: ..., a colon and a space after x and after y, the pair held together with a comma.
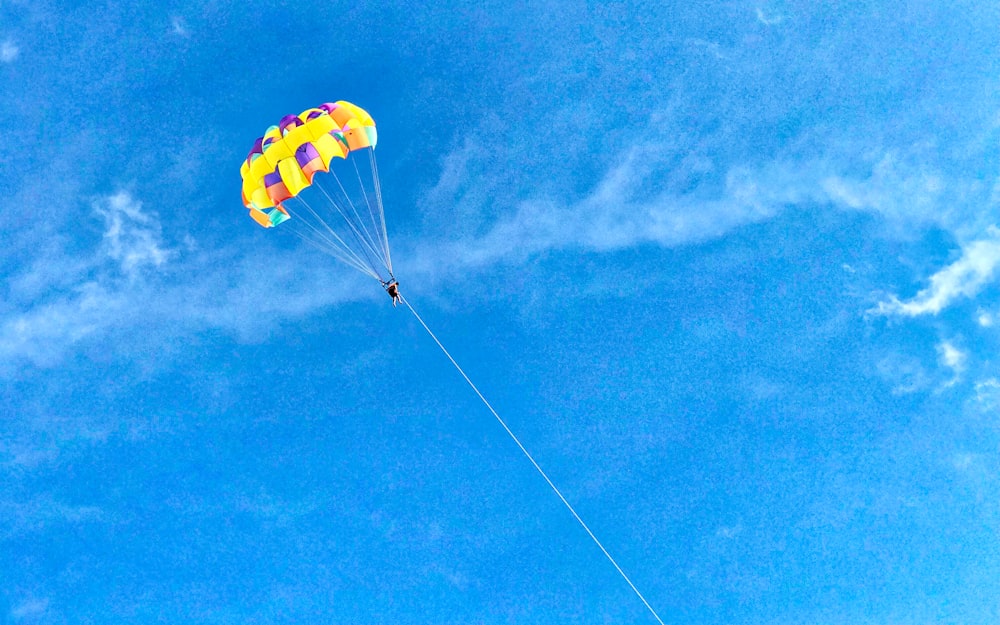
x: 392, y: 288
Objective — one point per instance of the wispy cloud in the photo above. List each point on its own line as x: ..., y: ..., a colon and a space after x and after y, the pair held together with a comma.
x: 662, y: 191
x: 90, y: 293
x: 911, y: 187
x: 952, y: 358
x: 712, y: 47
x: 179, y: 27
x: 126, y: 282
x: 43, y: 510
x: 900, y: 187
x: 638, y: 200
x: 904, y: 373
x: 42, y: 333
x: 616, y: 214
x: 767, y: 20
x: 987, y: 395
x: 9, y: 51
x: 132, y: 237
x: 29, y: 609
x: 129, y: 281
x: 965, y: 277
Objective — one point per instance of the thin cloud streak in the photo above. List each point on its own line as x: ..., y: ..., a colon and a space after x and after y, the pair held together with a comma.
x: 129, y: 282
x: 954, y: 359
x: 9, y: 51
x: 179, y: 28
x: 964, y: 278
x: 90, y: 293
x: 768, y: 21
x: 132, y: 266
x: 987, y: 395
x: 132, y: 237
x: 904, y: 185
x: 614, y: 216
x: 29, y: 609
x: 43, y: 333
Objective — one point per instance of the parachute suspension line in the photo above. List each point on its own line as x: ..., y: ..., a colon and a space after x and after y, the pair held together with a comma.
x: 358, y: 225
x: 381, y: 209
x: 330, y: 240
x: 343, y: 251
x: 334, y: 252
x: 318, y: 241
x: 376, y: 228
x: 536, y: 465
x: 330, y: 248
x: 364, y: 243
x: 375, y: 240
x: 368, y: 205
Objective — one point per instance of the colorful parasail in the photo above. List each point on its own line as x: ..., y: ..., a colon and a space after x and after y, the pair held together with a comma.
x: 315, y: 175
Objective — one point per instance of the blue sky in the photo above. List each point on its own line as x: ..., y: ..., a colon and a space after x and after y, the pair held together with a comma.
x: 728, y: 269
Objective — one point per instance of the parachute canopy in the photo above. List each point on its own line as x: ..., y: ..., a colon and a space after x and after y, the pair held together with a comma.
x: 303, y: 154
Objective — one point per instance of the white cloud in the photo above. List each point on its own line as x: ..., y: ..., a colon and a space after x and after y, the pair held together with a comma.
x: 666, y: 189
x: 132, y: 237
x: 43, y: 332
x: 729, y: 531
x: 128, y: 283
x: 616, y: 215
x: 952, y: 358
x: 712, y: 47
x: 905, y: 374
x: 988, y: 395
x: 179, y: 27
x: 963, y: 461
x: 9, y: 51
x: 963, y: 278
x: 41, y: 511
x: 652, y: 194
x: 902, y: 188
x: 70, y: 297
x: 29, y: 609
x: 768, y: 21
